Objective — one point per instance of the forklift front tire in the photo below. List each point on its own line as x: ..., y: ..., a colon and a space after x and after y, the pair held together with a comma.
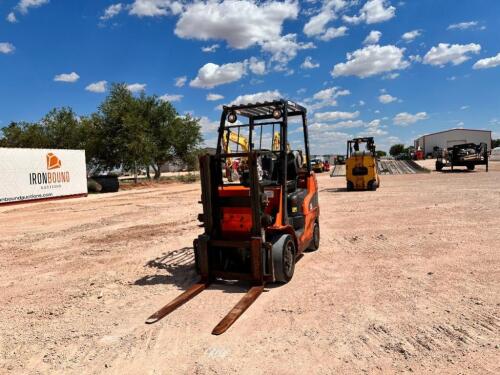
x: 283, y: 259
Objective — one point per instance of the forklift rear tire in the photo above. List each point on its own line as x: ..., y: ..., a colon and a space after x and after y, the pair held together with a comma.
x: 471, y: 167
x: 316, y: 236
x: 284, y: 259
x: 439, y: 166
x: 372, y: 185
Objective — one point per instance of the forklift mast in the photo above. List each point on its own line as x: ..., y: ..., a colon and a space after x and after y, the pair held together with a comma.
x: 370, y: 145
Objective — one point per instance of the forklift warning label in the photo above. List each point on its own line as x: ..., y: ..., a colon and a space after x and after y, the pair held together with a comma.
x: 30, y: 174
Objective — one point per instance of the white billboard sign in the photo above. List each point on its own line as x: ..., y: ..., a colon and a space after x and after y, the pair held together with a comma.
x: 31, y: 174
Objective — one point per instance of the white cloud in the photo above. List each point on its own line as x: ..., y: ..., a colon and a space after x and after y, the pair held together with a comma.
x: 97, y: 87
x: 405, y: 118
x: 335, y: 115
x: 317, y: 24
x: 464, y: 107
x: 324, y: 94
x: 24, y: 5
x: 326, y: 98
x: 373, y: 129
x: 211, y: 48
x: 446, y: 53
x: 462, y: 25
x: 258, y: 97
x: 415, y: 58
x: 309, y: 63
x: 372, y: 60
x: 67, y: 77
x: 349, y: 124
x: 285, y: 48
x: 241, y: 23
x: 374, y: 11
x: 214, y: 97
x: 136, y: 87
x: 257, y: 66
x: 11, y: 17
x: 490, y: 62
x: 211, y: 75
x: 7, y: 48
x: 332, y: 92
x: 112, y: 11
x: 410, y: 36
x: 325, y: 141
x: 180, y: 81
x: 386, y: 99
x: 209, y: 131
x: 373, y: 37
x: 155, y: 8
x: 334, y: 32
x: 372, y: 132
x: 171, y: 98
x: 391, y: 76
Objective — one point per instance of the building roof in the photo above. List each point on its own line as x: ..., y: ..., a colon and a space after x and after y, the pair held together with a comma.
x: 456, y: 129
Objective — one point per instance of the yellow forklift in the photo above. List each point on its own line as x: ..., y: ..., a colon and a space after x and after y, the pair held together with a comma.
x: 361, y: 165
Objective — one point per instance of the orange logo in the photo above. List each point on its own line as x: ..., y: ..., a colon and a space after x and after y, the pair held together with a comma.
x: 53, y: 161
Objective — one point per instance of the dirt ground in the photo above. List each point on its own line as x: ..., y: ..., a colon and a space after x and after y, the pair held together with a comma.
x: 406, y: 280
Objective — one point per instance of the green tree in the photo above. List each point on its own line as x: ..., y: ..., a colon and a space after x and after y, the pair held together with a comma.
x: 381, y: 153
x: 24, y: 135
x: 187, y: 139
x: 397, y: 149
x: 160, y: 116
x: 126, y: 132
x: 495, y: 143
x: 174, y: 137
x: 63, y: 129
x: 121, y: 132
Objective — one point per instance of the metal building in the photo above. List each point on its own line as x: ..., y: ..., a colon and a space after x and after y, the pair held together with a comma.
x: 449, y: 138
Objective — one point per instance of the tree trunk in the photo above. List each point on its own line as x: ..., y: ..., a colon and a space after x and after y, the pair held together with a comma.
x: 157, y: 170
x: 135, y: 172
x: 148, y: 175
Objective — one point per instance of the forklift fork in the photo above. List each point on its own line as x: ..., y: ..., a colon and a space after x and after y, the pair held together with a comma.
x: 244, y: 303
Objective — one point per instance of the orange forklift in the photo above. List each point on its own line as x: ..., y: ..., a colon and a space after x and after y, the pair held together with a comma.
x: 255, y: 227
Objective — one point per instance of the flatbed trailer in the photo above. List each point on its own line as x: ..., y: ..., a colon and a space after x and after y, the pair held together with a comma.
x: 464, y: 155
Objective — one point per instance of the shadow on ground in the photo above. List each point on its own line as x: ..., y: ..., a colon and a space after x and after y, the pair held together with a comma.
x: 456, y: 171
x: 180, y: 266
x: 336, y: 190
x: 178, y: 263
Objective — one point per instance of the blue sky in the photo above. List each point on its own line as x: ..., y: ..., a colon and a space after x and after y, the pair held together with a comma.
x: 347, y: 61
